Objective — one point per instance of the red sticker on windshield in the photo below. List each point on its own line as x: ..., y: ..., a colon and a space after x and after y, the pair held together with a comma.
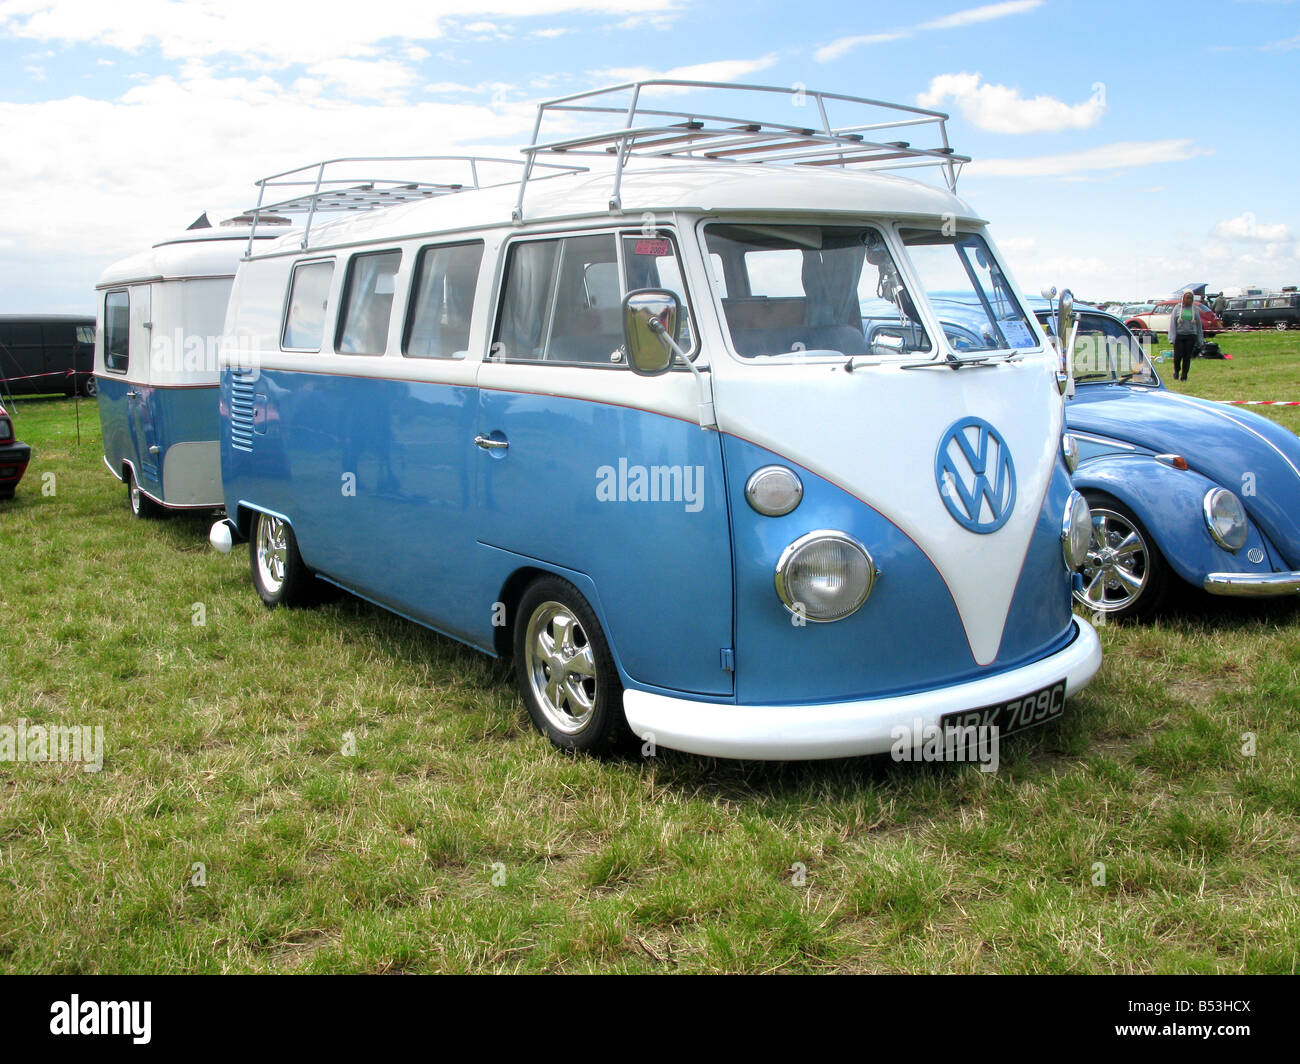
x: 652, y: 247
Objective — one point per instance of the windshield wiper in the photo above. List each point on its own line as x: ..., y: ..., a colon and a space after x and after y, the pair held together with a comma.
x: 951, y: 361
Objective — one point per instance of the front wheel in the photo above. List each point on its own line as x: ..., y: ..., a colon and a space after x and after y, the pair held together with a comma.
x: 279, y: 574
x: 565, y: 670
x: 141, y: 505
x: 90, y: 387
x: 1125, y: 575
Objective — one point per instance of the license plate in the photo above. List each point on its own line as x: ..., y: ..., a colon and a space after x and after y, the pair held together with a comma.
x: 1028, y: 711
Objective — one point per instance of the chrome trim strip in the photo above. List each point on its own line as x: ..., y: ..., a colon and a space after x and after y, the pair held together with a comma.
x: 1252, y: 585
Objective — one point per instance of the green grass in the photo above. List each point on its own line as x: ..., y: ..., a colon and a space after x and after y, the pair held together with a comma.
x: 223, y: 746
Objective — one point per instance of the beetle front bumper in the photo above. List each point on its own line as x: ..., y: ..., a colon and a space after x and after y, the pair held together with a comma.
x: 844, y: 729
x: 13, y: 464
x: 1253, y: 585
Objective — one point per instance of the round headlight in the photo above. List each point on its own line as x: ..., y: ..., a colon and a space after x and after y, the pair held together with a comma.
x: 1226, y: 519
x: 774, y: 490
x: 1070, y: 452
x: 824, y: 576
x: 1076, y: 531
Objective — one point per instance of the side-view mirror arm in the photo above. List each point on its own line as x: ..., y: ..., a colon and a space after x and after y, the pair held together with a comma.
x: 708, y: 419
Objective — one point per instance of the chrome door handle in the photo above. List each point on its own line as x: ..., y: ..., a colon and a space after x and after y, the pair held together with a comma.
x: 131, y: 393
x: 489, y: 444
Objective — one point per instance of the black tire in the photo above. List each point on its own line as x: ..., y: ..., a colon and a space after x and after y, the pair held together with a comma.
x: 279, y: 574
x: 581, y: 707
x: 89, y: 386
x: 140, y: 505
x: 1107, y: 580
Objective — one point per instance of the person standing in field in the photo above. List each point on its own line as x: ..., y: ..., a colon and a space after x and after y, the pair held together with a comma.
x: 1185, y: 334
x: 1220, y: 305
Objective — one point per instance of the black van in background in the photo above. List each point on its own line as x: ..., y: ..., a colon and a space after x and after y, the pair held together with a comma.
x: 1268, y: 312
x: 41, y: 353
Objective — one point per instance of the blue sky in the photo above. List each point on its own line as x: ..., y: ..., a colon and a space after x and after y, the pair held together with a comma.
x: 1120, y: 148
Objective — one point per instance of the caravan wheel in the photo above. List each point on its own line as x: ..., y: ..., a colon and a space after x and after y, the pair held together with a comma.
x: 141, y: 505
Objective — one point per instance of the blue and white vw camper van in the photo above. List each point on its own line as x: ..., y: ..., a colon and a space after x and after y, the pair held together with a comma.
x: 160, y: 319
x: 676, y: 424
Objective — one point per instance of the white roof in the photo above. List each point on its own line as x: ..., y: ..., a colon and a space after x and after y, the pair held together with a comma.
x: 646, y: 187
x: 194, y: 253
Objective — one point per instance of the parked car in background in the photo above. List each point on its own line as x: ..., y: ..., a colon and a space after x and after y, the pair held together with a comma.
x: 41, y: 353
x: 1153, y: 324
x: 1279, y: 312
x: 14, y: 456
x: 1181, y: 489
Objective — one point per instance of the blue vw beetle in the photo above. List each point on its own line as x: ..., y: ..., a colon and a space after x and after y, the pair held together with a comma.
x: 1180, y: 488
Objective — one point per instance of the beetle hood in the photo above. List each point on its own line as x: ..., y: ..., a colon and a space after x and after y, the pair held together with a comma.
x: 1254, y: 457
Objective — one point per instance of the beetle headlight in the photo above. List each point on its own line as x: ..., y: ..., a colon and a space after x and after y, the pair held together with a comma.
x: 1070, y: 452
x: 1226, y: 519
x: 824, y: 576
x: 774, y: 490
x: 1076, y: 531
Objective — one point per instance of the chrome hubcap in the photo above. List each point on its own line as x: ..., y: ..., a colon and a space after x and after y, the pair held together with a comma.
x: 1116, y: 572
x: 561, y: 667
x: 272, y: 551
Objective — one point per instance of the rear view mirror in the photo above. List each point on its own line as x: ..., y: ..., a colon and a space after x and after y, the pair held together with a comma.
x: 649, y: 324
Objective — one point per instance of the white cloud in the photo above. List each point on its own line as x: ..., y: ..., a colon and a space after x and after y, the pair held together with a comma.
x: 364, y: 79
x: 1246, y: 227
x: 1121, y: 155
x: 1287, y: 44
x: 986, y: 13
x: 77, y: 188
x: 838, y: 47
x: 718, y: 70
x: 966, y: 17
x: 298, y: 31
x: 1001, y: 109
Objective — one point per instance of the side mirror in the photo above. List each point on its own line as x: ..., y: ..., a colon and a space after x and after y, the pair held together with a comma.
x: 1065, y: 337
x: 1065, y: 315
x: 649, y: 324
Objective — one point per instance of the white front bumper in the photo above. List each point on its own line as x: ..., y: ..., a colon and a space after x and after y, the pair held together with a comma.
x: 844, y: 729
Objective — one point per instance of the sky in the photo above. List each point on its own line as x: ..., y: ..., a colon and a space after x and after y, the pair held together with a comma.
x: 1120, y: 149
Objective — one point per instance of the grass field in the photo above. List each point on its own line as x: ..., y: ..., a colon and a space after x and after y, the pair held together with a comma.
x: 456, y: 839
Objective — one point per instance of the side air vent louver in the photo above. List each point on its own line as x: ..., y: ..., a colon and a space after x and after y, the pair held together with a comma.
x: 241, y: 413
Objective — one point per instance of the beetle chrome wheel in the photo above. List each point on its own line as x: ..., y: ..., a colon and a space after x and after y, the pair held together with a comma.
x: 272, y: 552
x: 1118, y: 568
x: 561, y: 666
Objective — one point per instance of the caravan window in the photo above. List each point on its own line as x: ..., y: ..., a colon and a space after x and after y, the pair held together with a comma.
x: 117, y: 331
x: 304, y: 320
x: 368, y: 303
x: 442, y: 301
x: 562, y: 299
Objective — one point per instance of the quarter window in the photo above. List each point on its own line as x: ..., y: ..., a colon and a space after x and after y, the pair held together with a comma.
x: 368, y: 303
x: 443, y: 301
x: 304, y: 321
x: 117, y: 331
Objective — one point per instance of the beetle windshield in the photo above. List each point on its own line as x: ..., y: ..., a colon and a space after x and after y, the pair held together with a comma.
x: 970, y: 294
x: 804, y: 290
x: 1104, y: 350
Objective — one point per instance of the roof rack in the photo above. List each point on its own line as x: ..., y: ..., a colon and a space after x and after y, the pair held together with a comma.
x: 331, y: 189
x: 691, y: 135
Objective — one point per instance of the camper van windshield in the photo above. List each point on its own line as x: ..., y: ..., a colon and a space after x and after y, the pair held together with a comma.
x: 799, y: 290
x: 968, y: 291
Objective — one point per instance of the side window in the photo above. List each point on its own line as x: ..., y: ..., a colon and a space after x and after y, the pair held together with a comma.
x: 86, y: 335
x: 562, y: 299
x: 304, y: 319
x: 558, y: 304
x: 442, y: 301
x: 117, y: 331
x: 368, y: 303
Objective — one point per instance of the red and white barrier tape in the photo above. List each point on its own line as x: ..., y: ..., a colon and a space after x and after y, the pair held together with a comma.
x: 1260, y: 402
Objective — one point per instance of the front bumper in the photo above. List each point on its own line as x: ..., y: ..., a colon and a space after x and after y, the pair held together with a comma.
x: 844, y: 729
x: 13, y: 464
x: 1253, y: 585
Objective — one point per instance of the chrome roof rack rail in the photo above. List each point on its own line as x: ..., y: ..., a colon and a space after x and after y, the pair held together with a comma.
x: 653, y: 132
x: 326, y: 187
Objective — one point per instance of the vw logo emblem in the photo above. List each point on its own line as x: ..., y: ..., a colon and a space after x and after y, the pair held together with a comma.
x: 975, y: 475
